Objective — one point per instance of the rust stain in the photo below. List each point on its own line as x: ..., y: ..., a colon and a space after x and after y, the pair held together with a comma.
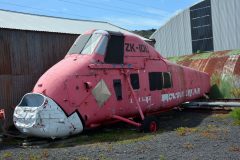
x: 222, y: 66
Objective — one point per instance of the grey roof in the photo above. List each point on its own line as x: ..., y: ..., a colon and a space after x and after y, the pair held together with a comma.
x: 25, y: 21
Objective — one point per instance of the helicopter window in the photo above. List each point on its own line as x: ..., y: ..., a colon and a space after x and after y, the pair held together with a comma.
x: 167, y: 80
x: 155, y: 81
x: 134, y: 81
x: 115, y: 50
x: 101, y: 48
x: 91, y: 44
x: 79, y: 44
x: 118, y: 88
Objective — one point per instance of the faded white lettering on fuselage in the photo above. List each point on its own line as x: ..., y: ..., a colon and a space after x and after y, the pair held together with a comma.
x: 146, y: 99
x: 177, y: 95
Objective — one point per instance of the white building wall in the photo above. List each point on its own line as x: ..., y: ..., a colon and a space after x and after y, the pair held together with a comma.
x: 226, y: 24
x: 174, y: 38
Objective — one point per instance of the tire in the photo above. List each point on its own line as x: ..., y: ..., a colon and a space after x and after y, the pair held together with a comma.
x: 150, y: 125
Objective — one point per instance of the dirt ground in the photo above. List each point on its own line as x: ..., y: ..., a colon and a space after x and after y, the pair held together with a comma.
x: 188, y: 135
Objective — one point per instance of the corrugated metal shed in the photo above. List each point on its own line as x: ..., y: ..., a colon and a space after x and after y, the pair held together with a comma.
x: 24, y: 57
x: 226, y: 24
x: 24, y: 21
x: 174, y: 37
x: 220, y: 26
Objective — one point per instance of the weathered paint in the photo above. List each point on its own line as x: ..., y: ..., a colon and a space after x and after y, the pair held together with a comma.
x: 84, y: 83
x: 222, y: 66
x: 40, y: 116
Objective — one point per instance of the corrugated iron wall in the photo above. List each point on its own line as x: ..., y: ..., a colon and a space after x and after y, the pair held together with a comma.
x: 24, y: 57
x: 226, y: 24
x: 174, y: 38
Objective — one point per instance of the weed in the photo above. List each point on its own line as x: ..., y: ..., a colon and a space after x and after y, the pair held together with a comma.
x: 162, y: 157
x: 34, y: 157
x: 236, y: 123
x: 7, y: 155
x: 183, y: 131
x: 83, y: 158
x: 110, y: 147
x: 220, y: 116
x: 234, y: 149
x: 235, y: 114
x: 21, y: 156
x: 188, y: 146
x: 213, y: 132
x: 45, y: 154
x: 102, y: 157
x: 137, y: 139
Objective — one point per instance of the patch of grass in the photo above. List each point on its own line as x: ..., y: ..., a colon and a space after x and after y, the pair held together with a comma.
x: 102, y: 157
x: 234, y: 149
x: 84, y: 158
x: 34, y: 157
x: 7, y: 155
x: 183, y: 131
x: 137, y: 139
x: 213, y: 132
x: 236, y: 123
x: 162, y: 157
x: 234, y: 52
x: 235, y: 114
x: 45, y: 154
x: 202, y: 56
x: 118, y: 136
x: 220, y: 116
x: 210, y: 134
x: 188, y: 146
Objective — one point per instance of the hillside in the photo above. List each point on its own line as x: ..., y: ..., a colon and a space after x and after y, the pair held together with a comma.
x: 145, y: 33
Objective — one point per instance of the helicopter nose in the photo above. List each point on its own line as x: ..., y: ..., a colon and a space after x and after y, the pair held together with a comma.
x: 38, y: 115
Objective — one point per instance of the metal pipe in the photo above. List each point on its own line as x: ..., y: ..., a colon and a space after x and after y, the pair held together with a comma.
x: 127, y: 120
x: 135, y: 98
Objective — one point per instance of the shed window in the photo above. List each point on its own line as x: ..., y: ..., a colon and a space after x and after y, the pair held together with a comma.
x: 155, y: 81
x: 134, y: 81
x: 167, y: 80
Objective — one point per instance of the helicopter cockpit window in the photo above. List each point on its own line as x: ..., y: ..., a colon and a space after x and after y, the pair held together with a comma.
x: 79, y: 44
x: 101, y: 48
x: 91, y: 44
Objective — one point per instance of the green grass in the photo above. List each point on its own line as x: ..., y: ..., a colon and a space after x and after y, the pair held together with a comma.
x: 234, y: 52
x: 7, y: 155
x: 117, y: 136
x: 183, y: 131
x: 235, y: 114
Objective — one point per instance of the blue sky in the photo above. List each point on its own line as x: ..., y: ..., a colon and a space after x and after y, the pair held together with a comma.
x: 129, y: 14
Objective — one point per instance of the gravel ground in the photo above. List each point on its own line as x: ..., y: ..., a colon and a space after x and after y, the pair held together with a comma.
x: 183, y: 135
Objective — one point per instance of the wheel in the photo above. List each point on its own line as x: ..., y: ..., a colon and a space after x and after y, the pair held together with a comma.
x: 150, y: 124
